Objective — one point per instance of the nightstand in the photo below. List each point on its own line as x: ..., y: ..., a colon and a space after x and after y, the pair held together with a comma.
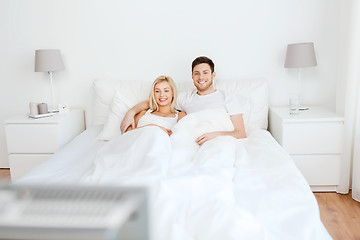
x: 31, y: 141
x: 313, y: 138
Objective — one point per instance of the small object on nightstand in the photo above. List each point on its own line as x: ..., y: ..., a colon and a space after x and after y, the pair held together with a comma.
x: 303, y: 108
x: 63, y: 108
x: 294, y: 105
x: 43, y: 108
x: 41, y: 115
x: 39, y: 110
x: 34, y: 108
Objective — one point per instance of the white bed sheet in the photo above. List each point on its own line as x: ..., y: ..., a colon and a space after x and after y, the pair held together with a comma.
x: 265, y: 198
x: 68, y: 164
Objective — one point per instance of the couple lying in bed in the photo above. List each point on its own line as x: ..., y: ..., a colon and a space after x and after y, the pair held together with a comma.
x: 163, y: 101
x: 146, y: 151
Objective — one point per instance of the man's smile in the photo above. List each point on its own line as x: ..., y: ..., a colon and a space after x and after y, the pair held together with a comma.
x: 201, y: 82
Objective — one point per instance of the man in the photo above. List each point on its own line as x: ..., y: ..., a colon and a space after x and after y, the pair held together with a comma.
x: 204, y: 97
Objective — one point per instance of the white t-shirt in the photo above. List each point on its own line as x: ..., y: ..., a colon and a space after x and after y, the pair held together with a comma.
x: 190, y: 102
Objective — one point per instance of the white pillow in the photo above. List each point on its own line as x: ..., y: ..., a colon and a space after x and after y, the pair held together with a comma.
x: 104, y: 91
x: 119, y: 107
x: 103, y: 97
x: 246, y: 103
x: 256, y: 90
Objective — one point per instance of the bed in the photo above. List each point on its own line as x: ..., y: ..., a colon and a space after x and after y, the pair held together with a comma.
x: 226, y: 189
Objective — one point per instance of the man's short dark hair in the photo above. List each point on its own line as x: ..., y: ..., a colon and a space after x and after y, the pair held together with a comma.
x: 203, y: 59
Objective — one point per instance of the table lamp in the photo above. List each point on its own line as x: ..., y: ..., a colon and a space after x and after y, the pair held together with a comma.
x: 299, y: 55
x: 49, y: 60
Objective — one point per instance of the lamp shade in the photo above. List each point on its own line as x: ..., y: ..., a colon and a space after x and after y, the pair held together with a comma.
x: 299, y: 55
x: 48, y: 60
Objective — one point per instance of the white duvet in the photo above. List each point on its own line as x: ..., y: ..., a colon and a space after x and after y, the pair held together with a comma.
x: 226, y: 189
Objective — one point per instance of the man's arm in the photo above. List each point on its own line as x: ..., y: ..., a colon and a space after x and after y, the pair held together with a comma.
x: 238, y: 132
x: 128, y: 120
x: 181, y: 115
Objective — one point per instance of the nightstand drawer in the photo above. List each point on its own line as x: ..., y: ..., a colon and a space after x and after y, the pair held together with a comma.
x: 32, y: 138
x: 319, y: 169
x: 31, y: 141
x: 313, y: 138
x: 20, y: 164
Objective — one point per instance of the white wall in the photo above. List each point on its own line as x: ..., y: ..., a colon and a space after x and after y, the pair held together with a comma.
x: 142, y: 39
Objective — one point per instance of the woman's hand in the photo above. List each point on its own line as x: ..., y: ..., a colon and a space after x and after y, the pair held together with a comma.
x: 168, y: 131
x: 206, y: 137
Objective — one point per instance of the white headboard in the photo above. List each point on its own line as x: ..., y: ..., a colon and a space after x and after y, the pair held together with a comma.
x: 129, y: 93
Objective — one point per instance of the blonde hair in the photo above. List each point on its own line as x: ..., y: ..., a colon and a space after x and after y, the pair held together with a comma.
x: 152, y: 102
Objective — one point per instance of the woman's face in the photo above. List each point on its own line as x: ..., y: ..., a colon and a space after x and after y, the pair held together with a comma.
x: 163, y: 93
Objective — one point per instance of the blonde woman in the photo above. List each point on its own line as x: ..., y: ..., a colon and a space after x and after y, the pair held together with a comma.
x: 162, y: 112
x: 141, y: 155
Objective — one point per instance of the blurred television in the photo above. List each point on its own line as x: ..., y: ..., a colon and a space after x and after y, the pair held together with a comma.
x: 73, y: 212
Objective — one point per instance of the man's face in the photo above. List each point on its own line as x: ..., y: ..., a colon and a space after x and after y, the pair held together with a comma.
x: 202, y: 77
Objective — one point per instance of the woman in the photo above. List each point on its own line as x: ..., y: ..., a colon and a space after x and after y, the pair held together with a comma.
x: 162, y: 111
x: 143, y: 153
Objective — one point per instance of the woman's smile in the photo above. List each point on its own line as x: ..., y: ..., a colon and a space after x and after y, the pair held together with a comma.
x: 162, y: 99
